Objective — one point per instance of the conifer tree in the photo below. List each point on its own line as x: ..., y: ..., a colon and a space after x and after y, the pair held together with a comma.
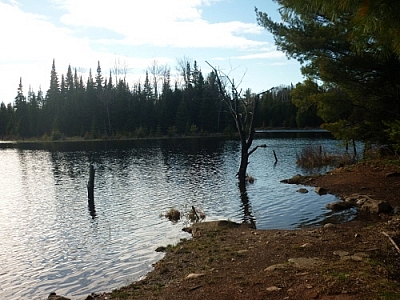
x: 99, y: 79
x: 357, y: 65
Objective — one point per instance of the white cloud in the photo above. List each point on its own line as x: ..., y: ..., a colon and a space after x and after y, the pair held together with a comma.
x: 263, y: 55
x: 30, y: 37
x: 78, y: 32
x: 176, y: 23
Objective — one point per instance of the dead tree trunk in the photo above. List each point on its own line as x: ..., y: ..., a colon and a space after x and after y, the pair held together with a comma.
x: 90, y: 185
x: 243, y: 112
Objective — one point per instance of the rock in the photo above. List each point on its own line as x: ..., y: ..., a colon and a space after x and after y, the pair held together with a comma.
x: 54, y: 296
x: 358, y: 199
x: 242, y: 251
x: 273, y: 289
x: 187, y: 229
x: 393, y: 174
x: 362, y: 254
x: 361, y: 201
x: 341, y: 253
x: 352, y: 257
x: 302, y: 191
x: 376, y: 206
x: 339, y: 205
x: 195, y: 275
x: 329, y: 225
x: 304, y: 262
x: 321, y: 191
x: 276, y: 267
x: 161, y: 249
x: 215, y: 225
x: 296, y: 179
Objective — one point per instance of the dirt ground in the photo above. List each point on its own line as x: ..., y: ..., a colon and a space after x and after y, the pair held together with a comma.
x: 224, y: 260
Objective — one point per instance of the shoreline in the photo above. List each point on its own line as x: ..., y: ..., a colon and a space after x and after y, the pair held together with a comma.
x: 352, y: 260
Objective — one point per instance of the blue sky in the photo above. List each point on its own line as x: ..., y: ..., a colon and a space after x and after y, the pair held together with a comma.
x: 135, y: 35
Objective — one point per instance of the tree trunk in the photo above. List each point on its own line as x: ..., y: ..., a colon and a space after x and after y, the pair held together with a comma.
x: 244, y: 161
x: 243, y: 112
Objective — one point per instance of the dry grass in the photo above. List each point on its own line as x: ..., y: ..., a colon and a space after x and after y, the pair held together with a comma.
x: 317, y: 156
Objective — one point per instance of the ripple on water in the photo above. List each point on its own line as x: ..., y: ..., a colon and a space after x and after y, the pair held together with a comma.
x: 50, y: 241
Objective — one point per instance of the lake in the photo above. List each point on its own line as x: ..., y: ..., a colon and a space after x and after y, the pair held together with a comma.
x: 51, y: 240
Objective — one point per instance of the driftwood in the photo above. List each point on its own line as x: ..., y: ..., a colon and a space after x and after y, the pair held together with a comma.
x: 392, y: 241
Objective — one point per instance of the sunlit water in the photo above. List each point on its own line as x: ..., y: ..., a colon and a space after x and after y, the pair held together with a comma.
x: 50, y: 241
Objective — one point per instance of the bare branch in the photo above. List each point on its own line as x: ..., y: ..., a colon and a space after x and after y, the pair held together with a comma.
x: 392, y: 241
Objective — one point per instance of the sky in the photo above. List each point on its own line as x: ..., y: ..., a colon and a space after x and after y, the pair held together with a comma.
x: 135, y: 35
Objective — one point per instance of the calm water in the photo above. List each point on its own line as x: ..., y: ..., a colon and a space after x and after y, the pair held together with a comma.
x: 50, y: 241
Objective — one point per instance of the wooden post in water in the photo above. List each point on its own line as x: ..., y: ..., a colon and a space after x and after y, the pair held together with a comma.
x: 276, y: 158
x: 90, y: 186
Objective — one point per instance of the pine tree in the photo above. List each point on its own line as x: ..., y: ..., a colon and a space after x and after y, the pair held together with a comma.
x: 21, y: 121
x: 362, y: 77
x: 99, y: 79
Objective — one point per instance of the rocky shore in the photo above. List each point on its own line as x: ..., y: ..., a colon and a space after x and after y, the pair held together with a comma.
x: 224, y: 260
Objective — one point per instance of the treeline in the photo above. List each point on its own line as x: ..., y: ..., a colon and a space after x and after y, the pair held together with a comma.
x: 102, y: 107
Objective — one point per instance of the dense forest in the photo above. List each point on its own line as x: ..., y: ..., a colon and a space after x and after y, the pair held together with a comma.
x: 108, y: 107
x: 350, y: 56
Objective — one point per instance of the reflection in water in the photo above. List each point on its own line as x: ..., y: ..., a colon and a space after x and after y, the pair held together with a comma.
x: 248, y: 218
x: 54, y: 239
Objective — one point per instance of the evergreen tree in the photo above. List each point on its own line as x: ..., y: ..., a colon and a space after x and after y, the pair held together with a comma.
x: 21, y: 121
x: 99, y: 79
x: 325, y: 40
x: 147, y: 89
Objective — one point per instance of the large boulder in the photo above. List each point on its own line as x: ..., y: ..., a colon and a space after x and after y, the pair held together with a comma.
x: 358, y: 199
x: 364, y: 202
x: 321, y: 191
x: 376, y: 206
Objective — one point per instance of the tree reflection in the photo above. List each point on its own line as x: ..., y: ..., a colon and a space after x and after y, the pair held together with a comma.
x: 248, y: 217
x: 92, y: 209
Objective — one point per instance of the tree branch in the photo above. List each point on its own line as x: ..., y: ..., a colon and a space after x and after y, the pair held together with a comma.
x: 392, y: 241
x: 255, y: 148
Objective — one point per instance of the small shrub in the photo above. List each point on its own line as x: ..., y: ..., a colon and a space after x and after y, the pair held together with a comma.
x: 173, y: 215
x: 196, y: 215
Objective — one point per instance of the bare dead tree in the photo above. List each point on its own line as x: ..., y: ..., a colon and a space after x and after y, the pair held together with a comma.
x: 120, y: 68
x: 159, y: 74
x: 243, y: 111
x: 185, y: 70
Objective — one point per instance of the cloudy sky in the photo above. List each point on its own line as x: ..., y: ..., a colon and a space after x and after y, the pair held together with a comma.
x: 135, y: 35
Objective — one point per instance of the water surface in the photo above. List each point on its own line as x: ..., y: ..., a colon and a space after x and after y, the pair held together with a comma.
x: 51, y: 241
